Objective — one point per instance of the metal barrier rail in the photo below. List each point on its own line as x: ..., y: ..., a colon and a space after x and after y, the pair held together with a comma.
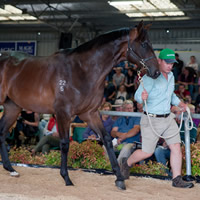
x: 186, y: 131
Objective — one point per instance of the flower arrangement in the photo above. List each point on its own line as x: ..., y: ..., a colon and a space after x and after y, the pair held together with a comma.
x: 90, y: 155
x: 151, y: 168
x: 85, y: 155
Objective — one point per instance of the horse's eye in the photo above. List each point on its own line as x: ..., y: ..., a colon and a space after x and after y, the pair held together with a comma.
x: 144, y: 44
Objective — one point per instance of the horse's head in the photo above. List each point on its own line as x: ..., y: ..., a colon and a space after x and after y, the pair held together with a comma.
x: 140, y: 50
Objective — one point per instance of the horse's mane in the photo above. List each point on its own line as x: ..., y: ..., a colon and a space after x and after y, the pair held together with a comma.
x: 101, y: 40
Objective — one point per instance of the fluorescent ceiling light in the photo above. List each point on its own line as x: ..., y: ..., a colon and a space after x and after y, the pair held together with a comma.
x: 125, y: 7
x: 135, y: 14
x: 163, y: 4
x: 147, y: 8
x: 28, y: 17
x: 12, y: 13
x: 4, y: 12
x: 155, y: 14
x: 13, y: 9
x: 16, y: 18
x: 175, y: 13
x: 3, y: 18
x: 113, y: 3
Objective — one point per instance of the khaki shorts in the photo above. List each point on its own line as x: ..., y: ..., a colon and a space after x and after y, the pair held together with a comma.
x: 163, y: 126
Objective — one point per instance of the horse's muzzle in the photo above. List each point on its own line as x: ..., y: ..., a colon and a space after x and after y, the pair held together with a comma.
x: 153, y: 75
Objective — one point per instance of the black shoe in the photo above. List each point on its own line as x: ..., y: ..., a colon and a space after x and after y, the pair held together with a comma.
x: 179, y: 182
x: 125, y: 169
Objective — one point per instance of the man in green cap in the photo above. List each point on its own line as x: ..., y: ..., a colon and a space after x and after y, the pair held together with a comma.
x: 159, y: 95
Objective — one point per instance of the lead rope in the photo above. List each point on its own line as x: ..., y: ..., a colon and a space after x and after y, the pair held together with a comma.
x: 189, y: 118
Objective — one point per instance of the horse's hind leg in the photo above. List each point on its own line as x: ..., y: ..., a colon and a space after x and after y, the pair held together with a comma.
x: 11, y: 111
x: 95, y: 123
x: 63, y: 121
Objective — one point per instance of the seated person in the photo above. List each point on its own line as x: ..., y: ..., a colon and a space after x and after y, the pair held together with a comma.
x: 27, y: 127
x: 127, y: 131
x: 182, y: 92
x: 46, y: 127
x: 109, y: 92
x: 118, y: 78
x: 121, y: 93
x: 50, y: 138
x: 118, y: 106
x: 107, y: 122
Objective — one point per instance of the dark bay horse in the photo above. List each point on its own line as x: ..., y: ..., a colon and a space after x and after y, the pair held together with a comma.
x: 70, y: 83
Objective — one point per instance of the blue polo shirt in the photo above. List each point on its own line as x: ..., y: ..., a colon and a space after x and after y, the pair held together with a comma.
x: 125, y: 124
x: 160, y: 94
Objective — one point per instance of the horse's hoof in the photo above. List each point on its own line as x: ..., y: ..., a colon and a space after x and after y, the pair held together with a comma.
x: 69, y: 183
x: 121, y: 185
x: 14, y: 174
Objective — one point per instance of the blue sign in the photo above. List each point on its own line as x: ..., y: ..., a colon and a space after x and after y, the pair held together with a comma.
x: 28, y: 47
x: 24, y: 46
x: 7, y: 46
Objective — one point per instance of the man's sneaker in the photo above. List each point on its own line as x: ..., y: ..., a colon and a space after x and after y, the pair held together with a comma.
x: 125, y: 169
x: 179, y: 182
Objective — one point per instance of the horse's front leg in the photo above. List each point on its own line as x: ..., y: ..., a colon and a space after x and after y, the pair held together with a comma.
x: 63, y: 128
x: 96, y: 124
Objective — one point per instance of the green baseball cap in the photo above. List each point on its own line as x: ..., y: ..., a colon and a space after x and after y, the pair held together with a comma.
x: 168, y: 55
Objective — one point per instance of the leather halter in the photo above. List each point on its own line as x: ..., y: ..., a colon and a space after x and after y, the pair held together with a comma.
x: 142, y: 61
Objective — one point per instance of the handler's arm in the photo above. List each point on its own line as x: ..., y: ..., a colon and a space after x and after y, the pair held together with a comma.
x: 148, y: 85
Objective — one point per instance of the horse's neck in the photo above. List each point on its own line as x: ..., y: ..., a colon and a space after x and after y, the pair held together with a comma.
x: 112, y: 55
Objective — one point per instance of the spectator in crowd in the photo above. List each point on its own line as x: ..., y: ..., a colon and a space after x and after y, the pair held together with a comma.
x: 26, y: 128
x: 193, y: 64
x: 118, y: 78
x: 45, y: 126
x: 182, y: 92
x: 107, y: 123
x: 118, y: 106
x: 139, y: 107
x: 121, y: 93
x: 109, y: 92
x: 130, y: 82
x: 50, y: 139
x: 197, y: 104
x: 127, y: 131
x: 177, y: 67
x: 187, y: 78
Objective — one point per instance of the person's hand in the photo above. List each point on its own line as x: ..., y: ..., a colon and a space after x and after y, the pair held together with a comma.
x: 144, y: 95
x: 182, y: 106
x: 119, y: 141
x: 92, y: 137
x: 122, y: 137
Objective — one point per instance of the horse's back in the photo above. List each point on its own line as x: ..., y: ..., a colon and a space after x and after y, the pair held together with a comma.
x: 26, y: 79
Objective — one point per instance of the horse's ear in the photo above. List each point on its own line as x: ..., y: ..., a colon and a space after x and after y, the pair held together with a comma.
x: 140, y: 26
x: 147, y: 27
